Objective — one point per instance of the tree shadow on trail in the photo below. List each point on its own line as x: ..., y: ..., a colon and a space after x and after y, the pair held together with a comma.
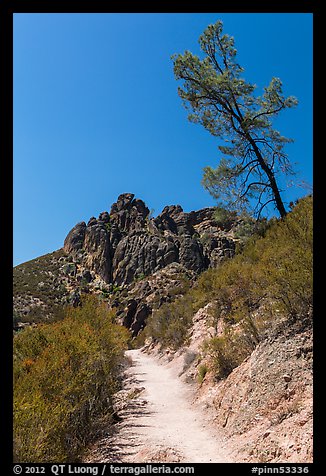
x: 120, y: 441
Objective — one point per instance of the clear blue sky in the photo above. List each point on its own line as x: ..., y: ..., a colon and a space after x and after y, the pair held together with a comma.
x: 96, y: 112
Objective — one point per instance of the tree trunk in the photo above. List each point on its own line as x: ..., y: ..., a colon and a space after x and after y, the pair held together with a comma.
x: 271, y: 177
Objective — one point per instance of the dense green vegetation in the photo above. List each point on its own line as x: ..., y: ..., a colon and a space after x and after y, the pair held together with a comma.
x: 64, y: 376
x: 270, y: 279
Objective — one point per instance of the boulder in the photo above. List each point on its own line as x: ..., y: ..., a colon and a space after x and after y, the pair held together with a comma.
x: 104, y: 217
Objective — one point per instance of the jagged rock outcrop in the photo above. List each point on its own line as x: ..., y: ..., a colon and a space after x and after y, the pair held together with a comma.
x: 141, y: 254
x: 129, y: 213
x: 126, y: 244
x: 123, y: 249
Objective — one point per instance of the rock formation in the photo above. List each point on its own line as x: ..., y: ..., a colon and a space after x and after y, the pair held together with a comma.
x: 126, y: 244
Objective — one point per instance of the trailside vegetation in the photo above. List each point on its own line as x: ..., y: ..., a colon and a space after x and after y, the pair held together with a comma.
x: 65, y: 374
x: 270, y: 279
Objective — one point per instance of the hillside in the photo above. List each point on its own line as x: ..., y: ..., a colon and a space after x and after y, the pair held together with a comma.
x: 227, y: 311
x: 40, y: 288
x: 262, y: 411
x: 112, y: 254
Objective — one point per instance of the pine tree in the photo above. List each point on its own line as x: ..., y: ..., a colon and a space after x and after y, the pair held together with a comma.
x: 226, y: 105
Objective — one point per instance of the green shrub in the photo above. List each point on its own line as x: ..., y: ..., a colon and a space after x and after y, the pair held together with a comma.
x: 64, y: 377
x: 228, y: 351
x: 287, y: 260
x: 202, y: 371
x: 224, y: 218
x: 170, y: 324
x: 275, y: 269
x: 249, y: 227
x: 271, y: 277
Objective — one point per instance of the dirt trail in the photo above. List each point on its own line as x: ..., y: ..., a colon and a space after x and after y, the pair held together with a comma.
x: 158, y: 422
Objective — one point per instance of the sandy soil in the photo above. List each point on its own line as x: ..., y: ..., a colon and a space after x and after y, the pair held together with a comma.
x: 158, y: 421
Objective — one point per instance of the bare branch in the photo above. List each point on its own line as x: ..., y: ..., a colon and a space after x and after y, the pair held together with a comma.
x: 264, y: 205
x: 254, y: 183
x: 269, y: 112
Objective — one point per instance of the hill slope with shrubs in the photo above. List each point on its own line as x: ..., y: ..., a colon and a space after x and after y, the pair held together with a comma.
x: 272, y: 275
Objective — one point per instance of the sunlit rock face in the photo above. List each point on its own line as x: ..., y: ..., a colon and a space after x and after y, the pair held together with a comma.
x: 127, y: 244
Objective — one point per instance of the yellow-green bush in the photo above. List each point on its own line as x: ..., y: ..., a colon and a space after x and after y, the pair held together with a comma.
x: 276, y: 269
x: 287, y: 260
x: 64, y: 376
x: 202, y: 371
x: 230, y: 349
x: 170, y: 323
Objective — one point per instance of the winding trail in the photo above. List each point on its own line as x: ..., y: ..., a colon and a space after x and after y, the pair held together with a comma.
x: 158, y: 422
